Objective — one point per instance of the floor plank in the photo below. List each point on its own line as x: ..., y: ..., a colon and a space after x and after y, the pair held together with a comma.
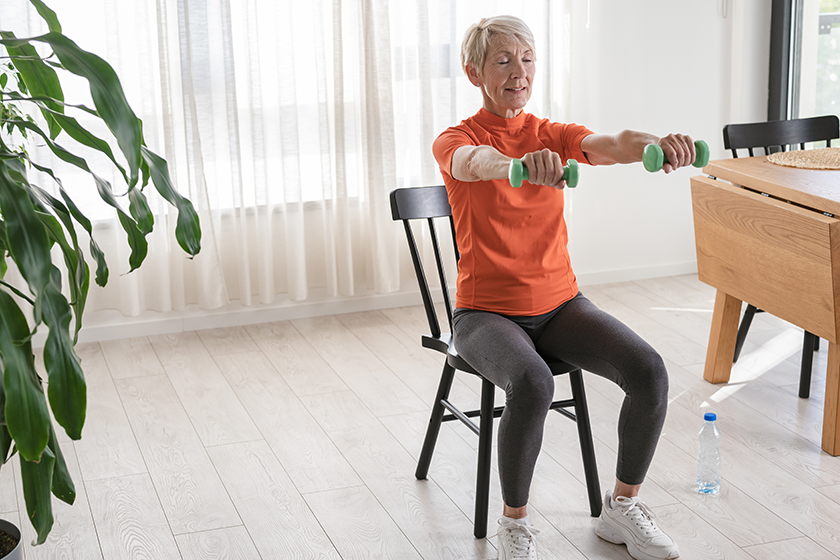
x: 298, y: 363
x: 306, y: 452
x: 131, y: 357
x: 273, y: 511
x: 233, y: 543
x: 129, y: 519
x: 205, y: 394
x: 192, y: 496
x: 359, y: 527
x: 360, y: 369
x: 794, y: 548
x: 107, y: 447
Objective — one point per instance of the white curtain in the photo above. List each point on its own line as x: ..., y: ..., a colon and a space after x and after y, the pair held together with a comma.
x: 287, y: 123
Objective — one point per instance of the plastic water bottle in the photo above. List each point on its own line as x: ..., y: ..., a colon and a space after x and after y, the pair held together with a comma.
x: 708, y: 459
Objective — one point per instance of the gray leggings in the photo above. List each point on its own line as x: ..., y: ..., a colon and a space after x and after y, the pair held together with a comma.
x: 507, y: 351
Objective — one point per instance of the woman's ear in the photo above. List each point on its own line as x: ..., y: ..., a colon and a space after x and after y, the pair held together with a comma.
x: 473, y: 76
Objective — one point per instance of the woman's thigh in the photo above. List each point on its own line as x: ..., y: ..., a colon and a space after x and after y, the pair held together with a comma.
x: 501, y: 351
x: 584, y: 335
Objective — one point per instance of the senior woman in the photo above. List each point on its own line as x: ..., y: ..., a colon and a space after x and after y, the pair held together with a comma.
x: 518, y: 298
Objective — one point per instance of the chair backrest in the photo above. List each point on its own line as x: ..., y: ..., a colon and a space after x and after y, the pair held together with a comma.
x: 417, y: 203
x: 777, y: 136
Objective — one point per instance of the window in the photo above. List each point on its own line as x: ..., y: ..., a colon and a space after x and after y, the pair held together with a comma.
x: 805, y: 59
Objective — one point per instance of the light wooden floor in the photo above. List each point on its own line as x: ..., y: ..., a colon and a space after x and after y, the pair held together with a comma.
x: 299, y: 439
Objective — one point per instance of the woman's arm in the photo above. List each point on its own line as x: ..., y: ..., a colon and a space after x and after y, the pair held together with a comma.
x: 486, y: 163
x: 479, y: 163
x: 628, y: 145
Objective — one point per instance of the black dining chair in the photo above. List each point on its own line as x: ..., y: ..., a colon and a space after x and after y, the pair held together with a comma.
x: 429, y: 203
x: 772, y: 137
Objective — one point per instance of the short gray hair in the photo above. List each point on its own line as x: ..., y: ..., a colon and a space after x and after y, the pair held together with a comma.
x: 477, y: 38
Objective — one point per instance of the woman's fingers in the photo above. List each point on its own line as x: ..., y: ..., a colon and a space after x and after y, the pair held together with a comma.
x: 545, y: 168
x: 679, y: 151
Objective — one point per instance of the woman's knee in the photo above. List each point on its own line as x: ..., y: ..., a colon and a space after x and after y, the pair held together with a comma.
x: 532, y: 386
x: 653, y: 381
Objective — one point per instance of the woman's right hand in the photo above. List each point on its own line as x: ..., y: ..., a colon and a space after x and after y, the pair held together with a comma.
x: 545, y: 168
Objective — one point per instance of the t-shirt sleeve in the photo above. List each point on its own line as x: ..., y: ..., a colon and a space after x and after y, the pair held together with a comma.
x: 566, y: 139
x: 445, y: 145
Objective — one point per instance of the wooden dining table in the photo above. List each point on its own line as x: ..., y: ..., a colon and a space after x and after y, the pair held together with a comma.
x: 770, y: 235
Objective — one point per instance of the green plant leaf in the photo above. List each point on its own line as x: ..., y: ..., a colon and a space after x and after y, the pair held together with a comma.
x: 4, y: 79
x: 140, y: 211
x: 48, y: 15
x: 17, y: 292
x: 107, y: 93
x: 66, y: 387
x: 5, y: 443
x: 95, y: 251
x: 188, y: 228
x: 62, y: 483
x: 3, y: 248
x: 27, y: 417
x: 81, y: 219
x: 80, y: 134
x: 39, y: 79
x: 74, y: 258
x: 18, y: 97
x: 36, y: 479
x: 136, y: 239
x: 27, y: 241
x: 57, y: 149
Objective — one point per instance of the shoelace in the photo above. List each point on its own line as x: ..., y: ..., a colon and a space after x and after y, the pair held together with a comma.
x: 642, y: 516
x: 522, y: 538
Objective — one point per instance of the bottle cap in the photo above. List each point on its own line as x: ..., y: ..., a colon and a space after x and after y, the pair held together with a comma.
x: 710, y: 417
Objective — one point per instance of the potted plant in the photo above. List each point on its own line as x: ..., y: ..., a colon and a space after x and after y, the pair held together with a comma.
x: 33, y: 221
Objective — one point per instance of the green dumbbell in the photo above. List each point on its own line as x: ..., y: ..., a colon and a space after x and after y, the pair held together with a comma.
x: 518, y: 173
x: 654, y: 158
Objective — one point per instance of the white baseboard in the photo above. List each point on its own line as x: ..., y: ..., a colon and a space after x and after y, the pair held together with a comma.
x: 112, y: 325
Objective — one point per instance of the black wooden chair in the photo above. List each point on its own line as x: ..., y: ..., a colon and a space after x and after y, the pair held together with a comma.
x: 778, y: 136
x: 429, y: 203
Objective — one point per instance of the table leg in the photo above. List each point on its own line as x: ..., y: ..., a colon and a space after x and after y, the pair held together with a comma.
x: 831, y: 411
x: 722, y: 338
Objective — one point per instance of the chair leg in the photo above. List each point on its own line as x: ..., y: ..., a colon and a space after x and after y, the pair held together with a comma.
x: 435, y: 420
x: 485, y: 453
x: 587, y: 449
x: 808, y: 345
x: 749, y: 313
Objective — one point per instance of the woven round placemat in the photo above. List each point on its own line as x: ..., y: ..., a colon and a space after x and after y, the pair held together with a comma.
x: 821, y: 158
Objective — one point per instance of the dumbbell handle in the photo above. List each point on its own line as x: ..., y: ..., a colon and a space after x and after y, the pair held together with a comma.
x: 654, y: 158
x: 517, y: 173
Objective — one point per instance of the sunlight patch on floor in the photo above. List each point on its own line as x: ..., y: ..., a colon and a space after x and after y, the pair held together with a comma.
x: 754, y: 364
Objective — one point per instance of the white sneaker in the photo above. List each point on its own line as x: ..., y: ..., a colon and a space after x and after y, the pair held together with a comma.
x: 631, y: 522
x: 516, y: 540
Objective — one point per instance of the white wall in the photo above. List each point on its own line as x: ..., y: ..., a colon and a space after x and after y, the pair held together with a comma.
x: 659, y: 66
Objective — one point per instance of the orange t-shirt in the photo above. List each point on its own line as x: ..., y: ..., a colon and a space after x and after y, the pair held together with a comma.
x: 514, y: 258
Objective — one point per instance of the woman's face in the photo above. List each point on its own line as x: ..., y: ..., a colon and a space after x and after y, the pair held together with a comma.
x: 506, y: 77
